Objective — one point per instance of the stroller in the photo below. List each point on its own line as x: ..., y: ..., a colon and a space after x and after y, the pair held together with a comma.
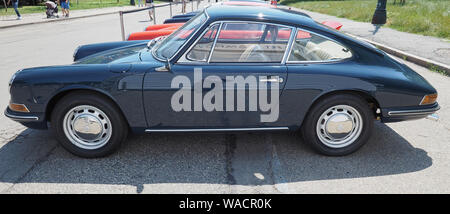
x: 52, y: 9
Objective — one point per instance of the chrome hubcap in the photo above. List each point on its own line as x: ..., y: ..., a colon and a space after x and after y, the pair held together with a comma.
x: 339, y: 126
x: 87, y: 127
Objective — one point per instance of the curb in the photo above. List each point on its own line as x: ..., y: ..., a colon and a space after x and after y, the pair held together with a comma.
x: 58, y: 20
x: 427, y: 63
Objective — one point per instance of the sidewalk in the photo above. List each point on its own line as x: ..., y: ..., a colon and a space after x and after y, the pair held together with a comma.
x: 34, y: 18
x: 428, y: 47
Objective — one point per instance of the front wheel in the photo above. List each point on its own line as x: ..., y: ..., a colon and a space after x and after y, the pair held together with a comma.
x: 88, y: 125
x: 338, y: 125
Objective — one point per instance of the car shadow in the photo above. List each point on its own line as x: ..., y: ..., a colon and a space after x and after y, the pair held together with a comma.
x: 36, y: 157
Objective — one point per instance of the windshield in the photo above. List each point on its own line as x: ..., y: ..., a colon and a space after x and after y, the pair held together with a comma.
x: 169, y: 46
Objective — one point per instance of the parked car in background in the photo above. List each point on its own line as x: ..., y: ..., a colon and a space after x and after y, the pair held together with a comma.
x: 154, y: 31
x: 181, y: 18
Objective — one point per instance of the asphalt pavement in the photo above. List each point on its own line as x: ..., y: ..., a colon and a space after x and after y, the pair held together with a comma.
x: 406, y: 157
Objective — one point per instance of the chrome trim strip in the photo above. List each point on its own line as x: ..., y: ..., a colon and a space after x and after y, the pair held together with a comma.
x: 287, y: 54
x: 21, y: 118
x: 185, y: 60
x: 217, y: 130
x: 422, y: 99
x: 214, y: 43
x: 414, y: 112
x: 315, y: 62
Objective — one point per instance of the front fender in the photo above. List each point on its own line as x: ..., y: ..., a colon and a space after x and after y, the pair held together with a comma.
x: 41, y: 88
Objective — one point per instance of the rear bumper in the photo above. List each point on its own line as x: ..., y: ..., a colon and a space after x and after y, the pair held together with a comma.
x: 408, y: 113
x: 30, y: 120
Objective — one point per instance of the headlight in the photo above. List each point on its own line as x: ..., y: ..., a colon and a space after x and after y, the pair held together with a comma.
x: 429, y: 99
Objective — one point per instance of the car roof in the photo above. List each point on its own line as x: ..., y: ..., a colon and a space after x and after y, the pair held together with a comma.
x: 248, y: 3
x: 259, y: 13
x: 278, y: 16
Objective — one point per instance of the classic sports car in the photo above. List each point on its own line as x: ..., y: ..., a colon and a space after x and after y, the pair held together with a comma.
x: 287, y: 72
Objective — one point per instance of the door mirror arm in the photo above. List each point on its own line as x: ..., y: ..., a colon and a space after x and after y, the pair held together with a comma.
x: 166, y: 68
x: 168, y: 65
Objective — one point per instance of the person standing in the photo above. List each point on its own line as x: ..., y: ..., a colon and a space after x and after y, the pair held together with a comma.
x: 149, y: 3
x: 15, y: 4
x: 64, y: 7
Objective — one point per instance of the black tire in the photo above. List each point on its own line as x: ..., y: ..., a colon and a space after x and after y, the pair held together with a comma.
x: 309, y: 131
x: 119, y: 128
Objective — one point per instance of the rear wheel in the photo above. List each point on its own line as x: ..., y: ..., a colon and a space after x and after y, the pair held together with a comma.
x: 88, y: 125
x: 338, y: 125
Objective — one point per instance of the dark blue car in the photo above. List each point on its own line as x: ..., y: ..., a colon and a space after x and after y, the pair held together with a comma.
x: 230, y: 68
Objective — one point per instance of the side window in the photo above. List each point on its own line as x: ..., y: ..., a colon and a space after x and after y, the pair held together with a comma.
x: 202, y: 48
x: 250, y: 42
x: 311, y: 47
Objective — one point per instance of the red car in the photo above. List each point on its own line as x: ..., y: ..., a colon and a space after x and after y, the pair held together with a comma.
x: 155, y: 31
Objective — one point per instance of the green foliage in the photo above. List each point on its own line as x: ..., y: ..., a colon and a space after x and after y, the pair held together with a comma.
x: 426, y: 17
x: 437, y: 70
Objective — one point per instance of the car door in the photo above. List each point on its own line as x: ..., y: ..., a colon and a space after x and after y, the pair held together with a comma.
x: 231, y: 77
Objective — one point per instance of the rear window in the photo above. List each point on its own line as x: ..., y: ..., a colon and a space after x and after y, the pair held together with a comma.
x: 309, y: 47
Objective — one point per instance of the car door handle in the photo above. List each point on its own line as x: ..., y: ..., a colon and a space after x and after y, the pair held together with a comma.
x: 272, y: 79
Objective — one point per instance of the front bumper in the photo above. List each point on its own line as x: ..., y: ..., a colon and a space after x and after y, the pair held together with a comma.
x: 31, y: 120
x: 408, y: 113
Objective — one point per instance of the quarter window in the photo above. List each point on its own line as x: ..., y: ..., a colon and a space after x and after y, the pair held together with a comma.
x: 250, y: 42
x: 200, y: 52
x: 311, y: 47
